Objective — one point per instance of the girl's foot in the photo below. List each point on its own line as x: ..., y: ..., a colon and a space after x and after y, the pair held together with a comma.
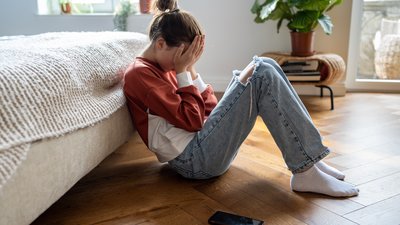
x: 330, y: 170
x: 314, y: 180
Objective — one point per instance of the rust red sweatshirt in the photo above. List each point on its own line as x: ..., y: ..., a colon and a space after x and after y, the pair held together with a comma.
x: 166, y: 108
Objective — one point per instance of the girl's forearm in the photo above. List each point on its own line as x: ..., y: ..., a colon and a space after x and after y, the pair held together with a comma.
x: 192, y: 72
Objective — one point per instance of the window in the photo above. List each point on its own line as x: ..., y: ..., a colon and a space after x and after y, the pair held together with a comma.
x: 380, y: 24
x: 374, y: 46
x: 57, y: 7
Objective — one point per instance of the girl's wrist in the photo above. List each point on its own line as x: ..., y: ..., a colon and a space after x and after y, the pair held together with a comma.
x: 192, y: 72
x: 179, y: 70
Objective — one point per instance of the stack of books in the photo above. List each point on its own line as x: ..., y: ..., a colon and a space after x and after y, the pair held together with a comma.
x: 298, y: 70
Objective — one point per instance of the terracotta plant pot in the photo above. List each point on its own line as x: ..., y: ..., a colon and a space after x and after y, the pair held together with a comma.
x: 66, y: 7
x: 144, y: 6
x: 302, y: 43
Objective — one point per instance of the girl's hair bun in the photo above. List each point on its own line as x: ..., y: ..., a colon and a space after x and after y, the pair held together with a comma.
x: 166, y: 5
x: 173, y: 25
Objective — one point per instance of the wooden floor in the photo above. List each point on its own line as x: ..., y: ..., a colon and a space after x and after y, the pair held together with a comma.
x: 131, y: 187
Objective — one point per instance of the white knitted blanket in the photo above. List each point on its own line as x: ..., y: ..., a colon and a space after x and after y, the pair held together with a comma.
x: 55, y: 83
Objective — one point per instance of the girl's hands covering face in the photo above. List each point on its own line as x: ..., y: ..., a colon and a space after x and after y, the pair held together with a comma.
x: 185, y: 60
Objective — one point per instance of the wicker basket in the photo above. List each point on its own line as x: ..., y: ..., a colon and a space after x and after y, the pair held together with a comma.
x: 387, y: 58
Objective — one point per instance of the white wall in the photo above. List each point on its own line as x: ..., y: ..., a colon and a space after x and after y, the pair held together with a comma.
x: 232, y: 38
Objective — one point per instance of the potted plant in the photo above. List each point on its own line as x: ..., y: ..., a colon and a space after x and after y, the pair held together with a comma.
x: 145, y: 6
x: 122, y: 11
x: 65, y: 6
x: 303, y: 17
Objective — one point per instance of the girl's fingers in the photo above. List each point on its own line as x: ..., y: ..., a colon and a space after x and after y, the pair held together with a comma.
x: 201, y: 51
x: 192, y: 54
x: 197, y: 45
x: 201, y: 42
x: 201, y: 46
x: 178, y: 52
x: 193, y: 45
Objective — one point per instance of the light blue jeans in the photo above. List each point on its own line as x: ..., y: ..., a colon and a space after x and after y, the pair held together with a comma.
x: 268, y: 94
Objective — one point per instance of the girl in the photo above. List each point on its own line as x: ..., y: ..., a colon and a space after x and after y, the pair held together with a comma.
x: 178, y: 118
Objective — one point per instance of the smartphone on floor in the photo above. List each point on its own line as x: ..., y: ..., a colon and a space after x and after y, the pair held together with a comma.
x: 224, y: 218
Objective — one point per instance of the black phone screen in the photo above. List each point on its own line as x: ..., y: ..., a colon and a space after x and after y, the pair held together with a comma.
x: 224, y: 218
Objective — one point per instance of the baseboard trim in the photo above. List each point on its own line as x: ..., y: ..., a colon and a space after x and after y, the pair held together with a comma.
x: 219, y: 85
x: 338, y: 90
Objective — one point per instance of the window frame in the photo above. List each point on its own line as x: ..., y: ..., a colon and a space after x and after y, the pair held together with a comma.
x: 352, y: 82
x: 45, y: 7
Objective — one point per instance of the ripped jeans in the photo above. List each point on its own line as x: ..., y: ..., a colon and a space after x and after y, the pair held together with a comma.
x: 268, y: 94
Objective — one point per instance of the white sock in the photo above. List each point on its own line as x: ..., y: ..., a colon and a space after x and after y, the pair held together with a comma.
x: 330, y: 170
x: 314, y: 180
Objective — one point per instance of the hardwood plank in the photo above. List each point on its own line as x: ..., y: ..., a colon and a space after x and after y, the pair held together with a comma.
x: 123, y: 193
x: 202, y: 210
x: 169, y: 215
x: 224, y: 190
x: 263, y: 157
x: 385, y: 212
x: 344, y: 146
x: 378, y: 190
x: 263, y: 211
x: 132, y: 187
x: 261, y: 137
x: 368, y: 155
x: 372, y: 171
x: 338, y: 206
x: 267, y: 191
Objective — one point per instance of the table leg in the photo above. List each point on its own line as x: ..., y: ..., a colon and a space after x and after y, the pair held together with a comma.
x: 330, y: 91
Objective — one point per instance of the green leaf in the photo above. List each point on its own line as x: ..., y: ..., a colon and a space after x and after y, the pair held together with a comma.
x: 259, y: 20
x: 282, y: 11
x: 268, y: 8
x: 303, y: 15
x: 256, y: 7
x: 278, y: 25
x: 304, y: 21
x: 326, y: 23
x: 317, y: 5
x: 293, y: 3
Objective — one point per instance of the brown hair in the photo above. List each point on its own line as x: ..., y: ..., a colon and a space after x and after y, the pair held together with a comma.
x: 173, y: 25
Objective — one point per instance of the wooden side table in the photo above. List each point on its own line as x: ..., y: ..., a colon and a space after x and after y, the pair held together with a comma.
x: 332, y: 68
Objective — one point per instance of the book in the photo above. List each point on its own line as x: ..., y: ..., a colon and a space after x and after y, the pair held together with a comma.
x: 304, y: 73
x: 304, y: 76
x: 300, y: 65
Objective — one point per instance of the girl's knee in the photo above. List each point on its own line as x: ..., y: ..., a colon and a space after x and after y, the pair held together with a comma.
x: 266, y: 65
x: 266, y: 59
x: 268, y: 70
x: 269, y: 61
